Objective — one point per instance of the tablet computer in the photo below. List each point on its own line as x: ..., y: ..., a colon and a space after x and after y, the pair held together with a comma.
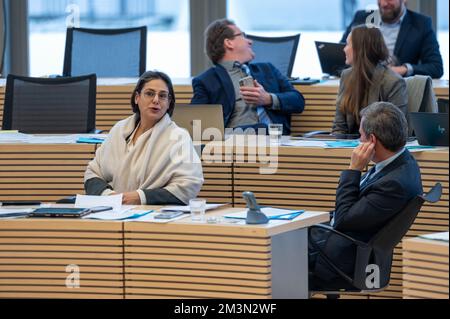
x: 49, y: 212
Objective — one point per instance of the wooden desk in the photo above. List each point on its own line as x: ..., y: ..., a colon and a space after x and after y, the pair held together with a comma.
x: 191, y: 260
x: 113, y: 102
x: 425, y: 269
x: 180, y: 259
x: 306, y: 178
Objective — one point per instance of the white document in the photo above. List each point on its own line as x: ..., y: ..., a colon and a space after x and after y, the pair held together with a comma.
x: 303, y: 143
x: 150, y: 218
x: 186, y: 209
x: 52, y: 139
x: 88, y: 201
x: 126, y: 214
x: 436, y: 236
x: 13, y: 137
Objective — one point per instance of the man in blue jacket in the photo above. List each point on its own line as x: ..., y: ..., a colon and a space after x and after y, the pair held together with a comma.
x: 266, y: 98
x: 366, y: 203
x: 409, y: 37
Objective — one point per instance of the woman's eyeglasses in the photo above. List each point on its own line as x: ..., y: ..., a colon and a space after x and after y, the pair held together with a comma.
x: 162, y: 96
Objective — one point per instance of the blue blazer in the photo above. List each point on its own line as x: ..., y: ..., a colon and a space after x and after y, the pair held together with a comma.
x: 214, y: 86
x: 416, y: 43
x: 361, y: 213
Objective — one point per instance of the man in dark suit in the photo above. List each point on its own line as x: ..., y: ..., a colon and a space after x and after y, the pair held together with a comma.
x: 267, y: 98
x: 409, y: 37
x: 365, y: 204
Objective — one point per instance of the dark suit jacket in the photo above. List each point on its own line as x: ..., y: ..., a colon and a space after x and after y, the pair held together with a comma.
x: 361, y: 213
x: 214, y: 86
x: 416, y: 43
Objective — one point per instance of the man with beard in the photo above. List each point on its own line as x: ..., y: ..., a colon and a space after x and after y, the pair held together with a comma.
x: 409, y: 37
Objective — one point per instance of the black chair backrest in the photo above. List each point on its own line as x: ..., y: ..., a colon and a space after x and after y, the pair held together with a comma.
x: 381, y: 246
x: 398, y: 226
x: 106, y: 52
x: 280, y: 51
x: 442, y: 105
x: 50, y: 106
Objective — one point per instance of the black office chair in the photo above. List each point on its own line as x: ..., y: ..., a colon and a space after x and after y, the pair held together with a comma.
x: 50, y: 106
x: 280, y: 51
x: 442, y: 105
x: 106, y: 52
x: 378, y: 251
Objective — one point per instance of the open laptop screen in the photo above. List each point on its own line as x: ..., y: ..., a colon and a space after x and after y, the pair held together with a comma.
x: 430, y: 128
x: 331, y: 57
x: 204, y: 122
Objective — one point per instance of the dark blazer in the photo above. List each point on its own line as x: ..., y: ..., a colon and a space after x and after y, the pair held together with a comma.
x: 387, y: 86
x: 361, y: 213
x: 416, y: 43
x: 214, y: 86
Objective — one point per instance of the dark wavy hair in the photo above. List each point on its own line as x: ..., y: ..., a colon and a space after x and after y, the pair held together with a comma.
x: 369, y: 50
x: 215, y: 35
x: 147, y: 77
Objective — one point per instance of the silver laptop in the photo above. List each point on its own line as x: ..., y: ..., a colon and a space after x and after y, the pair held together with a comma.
x: 204, y: 122
x: 430, y: 128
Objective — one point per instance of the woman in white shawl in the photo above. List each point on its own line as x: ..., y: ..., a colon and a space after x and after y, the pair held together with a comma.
x: 147, y: 157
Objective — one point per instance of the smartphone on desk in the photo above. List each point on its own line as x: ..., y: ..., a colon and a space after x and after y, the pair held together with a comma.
x: 168, y: 215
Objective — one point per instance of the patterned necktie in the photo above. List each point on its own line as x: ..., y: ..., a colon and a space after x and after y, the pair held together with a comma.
x: 367, y: 177
x: 260, y: 110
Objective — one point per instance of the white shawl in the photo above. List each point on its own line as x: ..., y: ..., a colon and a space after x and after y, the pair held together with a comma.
x: 165, y: 159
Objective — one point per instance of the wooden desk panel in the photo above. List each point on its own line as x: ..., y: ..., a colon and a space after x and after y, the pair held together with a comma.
x: 43, y: 172
x: 195, y: 262
x: 425, y: 269
x: 35, y: 254
x: 306, y: 178
x: 184, y: 259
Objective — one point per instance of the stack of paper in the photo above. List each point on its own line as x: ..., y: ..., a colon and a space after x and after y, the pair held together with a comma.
x: 186, y: 209
x: 436, y: 236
